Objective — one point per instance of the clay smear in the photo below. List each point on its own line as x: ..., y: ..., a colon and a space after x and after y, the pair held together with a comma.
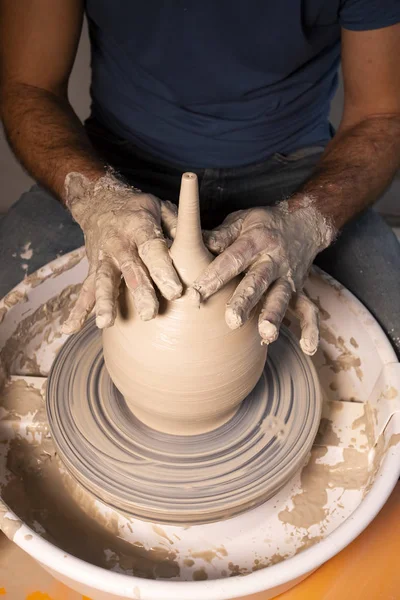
x: 30, y: 463
x: 35, y: 490
x: 346, y: 359
x: 310, y: 506
x: 36, y: 460
x: 208, y: 478
x: 43, y: 324
x: 43, y: 274
x: 326, y: 434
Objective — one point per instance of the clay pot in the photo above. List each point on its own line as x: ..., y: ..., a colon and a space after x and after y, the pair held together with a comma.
x: 184, y: 372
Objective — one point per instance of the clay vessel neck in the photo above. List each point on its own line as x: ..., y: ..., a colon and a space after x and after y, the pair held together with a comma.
x: 188, y: 252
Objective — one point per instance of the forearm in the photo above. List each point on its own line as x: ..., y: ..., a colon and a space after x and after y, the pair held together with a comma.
x: 47, y: 136
x: 355, y: 169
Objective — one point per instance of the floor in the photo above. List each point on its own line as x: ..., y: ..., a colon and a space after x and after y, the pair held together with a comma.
x: 368, y: 569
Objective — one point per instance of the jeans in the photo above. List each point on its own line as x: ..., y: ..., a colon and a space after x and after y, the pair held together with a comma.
x: 365, y: 258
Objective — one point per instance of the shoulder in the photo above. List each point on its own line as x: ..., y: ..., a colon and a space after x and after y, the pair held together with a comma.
x: 364, y: 15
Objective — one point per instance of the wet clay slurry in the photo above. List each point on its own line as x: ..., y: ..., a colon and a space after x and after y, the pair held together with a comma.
x: 184, y: 372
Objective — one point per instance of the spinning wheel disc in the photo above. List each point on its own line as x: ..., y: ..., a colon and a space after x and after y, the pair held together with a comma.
x: 181, y: 479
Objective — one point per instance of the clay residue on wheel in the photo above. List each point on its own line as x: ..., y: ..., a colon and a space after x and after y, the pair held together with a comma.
x: 365, y: 423
x: 326, y: 434
x: 161, y: 532
x: 43, y: 323
x: 37, y: 495
x: 346, y: 359
x: 310, y: 505
x: 317, y: 274
x: 200, y: 575
x: 42, y: 274
x: 307, y: 541
x: 323, y: 314
x: 20, y: 294
x: 14, y: 297
x: 390, y: 393
x: 19, y: 398
x: 9, y: 524
x: 394, y: 440
x: 39, y: 491
x: 209, y: 555
x: 33, y: 486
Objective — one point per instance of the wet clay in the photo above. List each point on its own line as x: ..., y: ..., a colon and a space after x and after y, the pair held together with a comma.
x: 35, y: 489
x: 346, y: 359
x: 44, y: 325
x: 200, y: 575
x: 394, y: 440
x: 73, y: 258
x: 310, y: 506
x: 326, y: 434
x: 184, y: 372
x: 173, y: 479
x: 390, y: 393
x: 39, y: 489
x: 86, y: 518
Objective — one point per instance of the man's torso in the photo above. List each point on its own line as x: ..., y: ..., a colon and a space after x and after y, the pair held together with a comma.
x: 215, y: 83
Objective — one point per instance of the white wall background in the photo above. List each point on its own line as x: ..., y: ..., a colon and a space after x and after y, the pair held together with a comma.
x: 14, y: 181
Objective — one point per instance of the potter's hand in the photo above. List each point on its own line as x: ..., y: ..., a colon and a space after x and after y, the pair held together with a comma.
x: 275, y: 247
x: 123, y: 236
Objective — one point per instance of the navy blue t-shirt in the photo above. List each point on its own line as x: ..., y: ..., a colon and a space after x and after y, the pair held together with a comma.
x: 221, y: 83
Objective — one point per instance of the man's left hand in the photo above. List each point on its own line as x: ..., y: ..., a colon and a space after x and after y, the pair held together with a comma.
x: 275, y: 248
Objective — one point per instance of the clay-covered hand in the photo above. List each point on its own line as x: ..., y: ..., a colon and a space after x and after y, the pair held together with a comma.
x: 123, y: 237
x: 275, y: 247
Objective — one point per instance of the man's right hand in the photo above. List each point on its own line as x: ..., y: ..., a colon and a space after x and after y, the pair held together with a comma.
x: 123, y: 237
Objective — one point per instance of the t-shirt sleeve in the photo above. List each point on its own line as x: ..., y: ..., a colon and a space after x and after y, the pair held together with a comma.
x: 361, y: 15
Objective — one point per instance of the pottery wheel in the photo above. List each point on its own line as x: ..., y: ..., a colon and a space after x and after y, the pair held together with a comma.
x: 181, y: 479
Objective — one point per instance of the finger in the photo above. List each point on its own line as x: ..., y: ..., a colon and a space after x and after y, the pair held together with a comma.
x: 108, y: 278
x: 308, y: 315
x: 249, y: 291
x: 137, y: 280
x: 83, y: 306
x: 274, y: 309
x: 155, y: 255
x: 169, y: 217
x: 219, y: 239
x: 226, y: 266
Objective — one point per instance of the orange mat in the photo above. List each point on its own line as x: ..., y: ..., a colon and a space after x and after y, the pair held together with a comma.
x: 368, y: 569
